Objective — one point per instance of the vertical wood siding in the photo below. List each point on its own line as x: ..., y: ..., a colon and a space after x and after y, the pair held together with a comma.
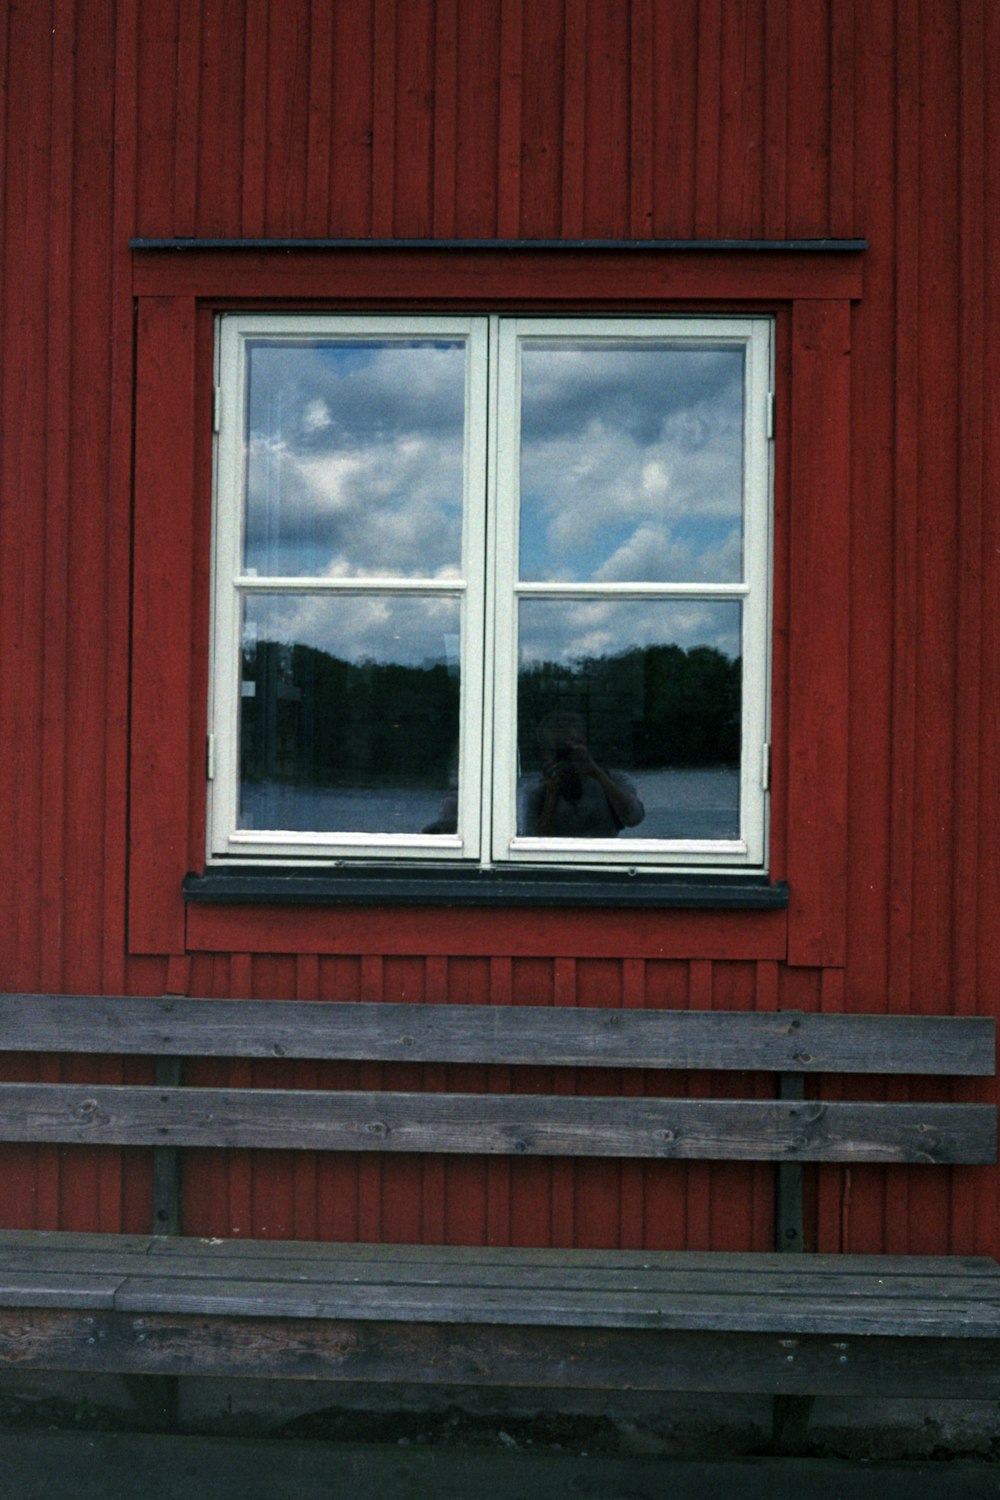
x: 499, y: 118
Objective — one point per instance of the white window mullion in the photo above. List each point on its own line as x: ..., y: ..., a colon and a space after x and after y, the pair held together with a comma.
x: 505, y: 568
x: 754, y: 800
x: 490, y: 611
x: 470, y: 820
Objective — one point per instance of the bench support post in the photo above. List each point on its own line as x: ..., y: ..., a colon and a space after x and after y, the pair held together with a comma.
x: 167, y: 1160
x: 791, y: 1414
x: 157, y: 1396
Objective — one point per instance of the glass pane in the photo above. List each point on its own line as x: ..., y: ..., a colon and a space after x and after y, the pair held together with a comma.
x: 628, y: 719
x: 349, y: 714
x: 355, y: 458
x: 631, y: 462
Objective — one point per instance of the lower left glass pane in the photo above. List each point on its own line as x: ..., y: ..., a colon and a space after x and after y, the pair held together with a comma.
x: 349, y: 714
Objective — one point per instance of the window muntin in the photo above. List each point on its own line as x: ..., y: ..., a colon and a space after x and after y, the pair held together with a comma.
x: 436, y: 535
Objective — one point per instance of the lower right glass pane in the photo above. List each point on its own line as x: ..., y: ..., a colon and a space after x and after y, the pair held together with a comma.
x: 629, y: 716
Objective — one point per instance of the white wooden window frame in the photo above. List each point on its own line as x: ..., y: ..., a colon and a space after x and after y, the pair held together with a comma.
x: 489, y: 592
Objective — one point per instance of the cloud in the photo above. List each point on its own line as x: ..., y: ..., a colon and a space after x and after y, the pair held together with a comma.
x: 620, y: 443
x: 394, y: 511
x: 654, y: 552
x: 566, y: 630
x: 631, y: 470
x: 403, y: 630
x: 355, y: 460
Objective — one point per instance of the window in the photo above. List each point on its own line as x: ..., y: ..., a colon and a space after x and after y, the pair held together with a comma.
x: 491, y: 589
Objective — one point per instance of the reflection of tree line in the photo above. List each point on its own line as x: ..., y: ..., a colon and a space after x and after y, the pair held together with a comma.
x: 643, y: 709
x: 320, y: 720
x: 317, y: 719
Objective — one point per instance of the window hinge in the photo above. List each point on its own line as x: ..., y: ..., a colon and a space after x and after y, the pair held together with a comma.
x: 765, y: 767
x: 217, y: 409
x: 770, y: 415
x: 210, y: 757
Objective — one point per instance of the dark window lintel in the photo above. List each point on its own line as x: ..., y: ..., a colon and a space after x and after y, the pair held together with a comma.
x: 697, y: 247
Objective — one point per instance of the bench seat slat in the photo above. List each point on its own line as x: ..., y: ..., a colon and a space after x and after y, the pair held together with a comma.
x: 502, y: 1035
x: 681, y: 1129
x: 830, y: 1313
x: 486, y: 1258
x: 249, y: 1256
x: 653, y: 1279
x: 72, y: 1241
x: 68, y: 1286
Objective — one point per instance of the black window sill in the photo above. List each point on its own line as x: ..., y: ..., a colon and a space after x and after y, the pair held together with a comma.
x: 512, y: 886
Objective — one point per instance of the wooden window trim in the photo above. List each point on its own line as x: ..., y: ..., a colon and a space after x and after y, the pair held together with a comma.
x: 810, y: 296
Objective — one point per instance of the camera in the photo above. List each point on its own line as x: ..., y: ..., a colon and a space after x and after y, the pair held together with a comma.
x: 570, y: 782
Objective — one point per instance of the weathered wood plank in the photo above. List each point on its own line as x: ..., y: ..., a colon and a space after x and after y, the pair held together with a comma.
x: 718, y: 1040
x: 251, y: 1253
x: 73, y: 1241
x: 789, y: 1315
x: 647, y: 1277
x: 635, y: 1359
x: 499, y: 1124
x: 41, y: 1260
x: 61, y: 1287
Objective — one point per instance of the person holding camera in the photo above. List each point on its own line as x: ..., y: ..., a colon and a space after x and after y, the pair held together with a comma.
x: 574, y: 797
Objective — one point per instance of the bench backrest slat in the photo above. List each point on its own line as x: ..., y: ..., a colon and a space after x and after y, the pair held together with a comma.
x: 509, y: 1124
x: 532, y: 1035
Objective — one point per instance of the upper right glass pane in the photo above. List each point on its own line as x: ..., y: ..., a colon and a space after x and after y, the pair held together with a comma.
x: 631, y: 461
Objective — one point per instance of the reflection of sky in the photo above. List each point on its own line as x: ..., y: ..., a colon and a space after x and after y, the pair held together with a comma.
x: 355, y: 458
x: 563, y: 630
x: 631, y: 462
x: 631, y: 469
x: 404, y: 630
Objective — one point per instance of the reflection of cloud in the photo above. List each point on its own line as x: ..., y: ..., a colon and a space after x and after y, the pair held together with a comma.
x: 404, y: 630
x: 316, y: 415
x: 412, y: 630
x: 622, y: 442
x: 395, y: 509
x: 631, y: 459
x: 368, y: 387
x: 654, y: 478
x: 651, y: 552
x: 566, y: 630
x: 355, y: 459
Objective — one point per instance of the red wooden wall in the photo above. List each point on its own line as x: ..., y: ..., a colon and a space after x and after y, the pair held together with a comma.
x: 571, y: 119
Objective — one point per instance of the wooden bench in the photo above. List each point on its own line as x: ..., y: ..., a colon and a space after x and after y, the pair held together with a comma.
x: 792, y: 1325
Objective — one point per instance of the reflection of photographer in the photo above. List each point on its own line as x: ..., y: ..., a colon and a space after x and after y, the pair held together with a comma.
x: 574, y: 797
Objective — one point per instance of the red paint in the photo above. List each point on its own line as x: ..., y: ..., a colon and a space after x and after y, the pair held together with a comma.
x: 486, y: 118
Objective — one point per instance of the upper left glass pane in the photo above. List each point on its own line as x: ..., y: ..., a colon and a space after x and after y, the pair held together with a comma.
x: 355, y: 457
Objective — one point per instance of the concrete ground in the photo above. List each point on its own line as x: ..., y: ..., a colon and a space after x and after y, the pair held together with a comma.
x: 84, y: 1438
x: 607, y: 1424
x: 132, y: 1466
